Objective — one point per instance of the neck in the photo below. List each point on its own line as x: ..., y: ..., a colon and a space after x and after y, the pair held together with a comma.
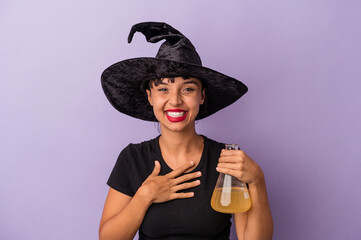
x: 180, y: 142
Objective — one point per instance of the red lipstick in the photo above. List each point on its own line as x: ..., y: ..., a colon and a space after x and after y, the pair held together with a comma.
x: 176, y: 115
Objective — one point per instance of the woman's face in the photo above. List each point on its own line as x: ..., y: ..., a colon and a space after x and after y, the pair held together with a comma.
x: 176, y: 105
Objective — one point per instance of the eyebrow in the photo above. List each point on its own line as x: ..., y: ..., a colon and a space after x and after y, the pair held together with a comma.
x: 162, y: 83
x: 190, y: 82
x: 185, y: 82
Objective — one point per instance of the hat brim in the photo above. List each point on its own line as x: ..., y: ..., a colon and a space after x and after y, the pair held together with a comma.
x: 123, y: 85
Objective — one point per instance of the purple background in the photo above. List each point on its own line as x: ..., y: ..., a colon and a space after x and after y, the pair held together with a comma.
x: 300, y: 120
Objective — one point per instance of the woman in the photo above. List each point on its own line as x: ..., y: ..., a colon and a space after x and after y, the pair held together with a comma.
x: 162, y: 187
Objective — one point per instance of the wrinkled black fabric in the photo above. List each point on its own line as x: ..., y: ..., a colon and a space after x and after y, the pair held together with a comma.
x: 156, y: 31
x: 123, y: 81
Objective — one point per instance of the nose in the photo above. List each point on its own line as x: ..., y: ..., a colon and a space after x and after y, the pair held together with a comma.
x: 175, y: 99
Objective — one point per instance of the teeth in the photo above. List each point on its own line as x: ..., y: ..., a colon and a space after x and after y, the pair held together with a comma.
x: 176, y: 114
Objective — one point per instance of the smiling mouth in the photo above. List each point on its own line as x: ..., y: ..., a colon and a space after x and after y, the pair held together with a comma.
x: 176, y: 115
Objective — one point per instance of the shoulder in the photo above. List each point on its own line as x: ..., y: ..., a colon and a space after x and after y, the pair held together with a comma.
x: 142, y: 147
x: 138, y: 151
x: 213, y: 147
x: 135, y: 162
x: 213, y: 144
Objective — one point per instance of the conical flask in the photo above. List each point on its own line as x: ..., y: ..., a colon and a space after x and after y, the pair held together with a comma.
x: 230, y: 194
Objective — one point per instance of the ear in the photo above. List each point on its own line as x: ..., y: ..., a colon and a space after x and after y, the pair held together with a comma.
x: 149, y: 97
x: 203, y: 96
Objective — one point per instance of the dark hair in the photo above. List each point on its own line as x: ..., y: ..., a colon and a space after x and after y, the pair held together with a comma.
x: 158, y: 81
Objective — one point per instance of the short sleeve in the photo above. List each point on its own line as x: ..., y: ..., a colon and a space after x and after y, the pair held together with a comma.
x: 119, y: 178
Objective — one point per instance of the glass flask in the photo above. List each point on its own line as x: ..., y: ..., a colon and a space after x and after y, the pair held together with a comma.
x: 230, y: 194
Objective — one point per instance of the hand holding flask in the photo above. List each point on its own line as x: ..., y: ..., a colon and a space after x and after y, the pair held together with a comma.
x: 230, y: 195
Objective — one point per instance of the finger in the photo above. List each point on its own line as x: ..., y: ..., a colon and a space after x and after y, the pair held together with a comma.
x: 181, y: 195
x: 186, y: 185
x: 231, y: 172
x: 178, y: 171
x: 187, y: 177
x: 231, y: 159
x: 156, y: 169
x: 233, y: 166
x: 226, y: 153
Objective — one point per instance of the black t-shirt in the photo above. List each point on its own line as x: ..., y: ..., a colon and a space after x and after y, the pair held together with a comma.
x: 191, y: 218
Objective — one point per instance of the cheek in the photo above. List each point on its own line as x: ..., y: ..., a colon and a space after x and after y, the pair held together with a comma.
x: 158, y: 103
x: 157, y: 109
x: 195, y: 102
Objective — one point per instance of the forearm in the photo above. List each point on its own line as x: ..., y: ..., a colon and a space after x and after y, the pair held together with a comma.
x: 259, y: 219
x: 125, y: 224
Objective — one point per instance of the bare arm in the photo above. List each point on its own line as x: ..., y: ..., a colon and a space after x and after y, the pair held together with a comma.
x: 257, y: 223
x: 123, y: 215
x: 259, y: 218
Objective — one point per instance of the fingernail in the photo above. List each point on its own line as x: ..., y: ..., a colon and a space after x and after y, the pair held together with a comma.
x: 199, y: 173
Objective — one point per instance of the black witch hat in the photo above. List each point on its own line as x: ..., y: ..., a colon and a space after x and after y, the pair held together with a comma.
x: 124, y: 82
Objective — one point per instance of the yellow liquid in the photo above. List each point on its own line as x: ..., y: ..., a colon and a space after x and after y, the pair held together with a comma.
x: 232, y: 200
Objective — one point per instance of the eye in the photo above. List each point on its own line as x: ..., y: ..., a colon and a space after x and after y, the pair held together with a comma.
x: 189, y: 89
x: 162, y: 89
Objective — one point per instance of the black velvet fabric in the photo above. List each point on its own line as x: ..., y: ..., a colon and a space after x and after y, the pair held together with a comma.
x: 123, y: 82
